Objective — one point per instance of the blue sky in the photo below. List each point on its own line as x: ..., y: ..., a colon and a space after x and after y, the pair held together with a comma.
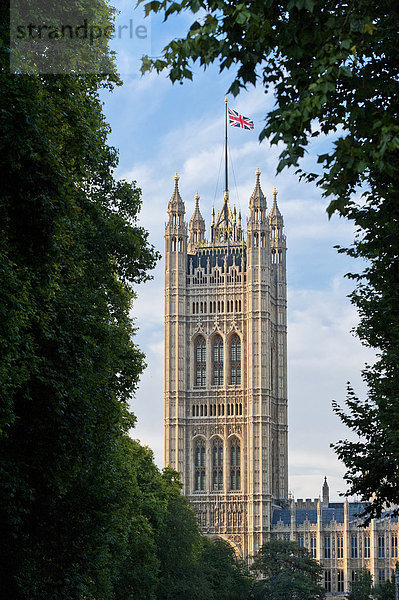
x: 160, y: 129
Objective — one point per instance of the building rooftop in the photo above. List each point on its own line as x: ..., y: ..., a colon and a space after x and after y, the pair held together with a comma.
x: 333, y: 512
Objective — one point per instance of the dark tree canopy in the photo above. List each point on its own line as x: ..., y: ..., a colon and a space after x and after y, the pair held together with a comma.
x: 287, y: 571
x: 84, y: 512
x: 385, y: 591
x: 362, y: 586
x: 333, y: 68
x: 70, y: 253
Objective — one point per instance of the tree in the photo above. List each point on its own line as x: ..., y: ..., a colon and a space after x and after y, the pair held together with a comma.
x: 333, y: 68
x: 361, y: 587
x: 179, y: 547
x: 135, y: 556
x: 288, y: 571
x: 385, y: 591
x: 70, y: 254
x: 162, y: 554
x: 229, y: 578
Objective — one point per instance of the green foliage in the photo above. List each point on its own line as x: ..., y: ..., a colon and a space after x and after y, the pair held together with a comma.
x: 70, y: 253
x: 372, y: 459
x: 136, y: 564
x: 333, y: 68
x: 163, y: 555
x: 179, y: 546
x: 384, y: 591
x: 228, y: 578
x: 361, y: 587
x: 84, y: 512
x: 320, y: 58
x: 287, y: 571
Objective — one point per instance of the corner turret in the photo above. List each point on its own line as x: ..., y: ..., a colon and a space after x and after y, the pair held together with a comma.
x: 277, y: 237
x: 257, y: 202
x: 196, y: 227
x: 176, y: 208
x: 257, y: 225
x: 176, y: 228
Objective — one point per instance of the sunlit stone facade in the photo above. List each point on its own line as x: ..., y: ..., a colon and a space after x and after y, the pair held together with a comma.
x: 226, y: 365
x: 226, y: 394
x: 333, y: 533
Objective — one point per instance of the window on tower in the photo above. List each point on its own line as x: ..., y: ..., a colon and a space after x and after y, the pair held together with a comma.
x: 394, y: 546
x: 340, y: 546
x: 381, y: 546
x: 235, y: 464
x: 217, y: 360
x: 340, y: 580
x: 217, y: 464
x: 313, y: 546
x: 366, y: 546
x: 327, y: 581
x: 200, y: 362
x: 327, y: 546
x: 235, y: 360
x: 354, y: 546
x: 199, y: 460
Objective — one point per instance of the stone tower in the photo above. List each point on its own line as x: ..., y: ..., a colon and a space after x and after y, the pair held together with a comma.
x: 226, y: 365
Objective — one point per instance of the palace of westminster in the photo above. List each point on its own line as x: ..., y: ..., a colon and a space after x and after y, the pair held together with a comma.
x: 226, y: 395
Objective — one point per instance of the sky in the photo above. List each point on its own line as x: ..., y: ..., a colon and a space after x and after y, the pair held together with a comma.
x: 160, y: 129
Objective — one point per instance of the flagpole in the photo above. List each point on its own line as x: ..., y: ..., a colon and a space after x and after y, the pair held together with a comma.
x: 226, y: 182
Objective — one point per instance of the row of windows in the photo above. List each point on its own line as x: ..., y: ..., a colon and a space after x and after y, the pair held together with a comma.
x: 217, y: 410
x: 196, y: 236
x: 216, y: 306
x: 259, y: 240
x: 217, y: 279
x: 354, y: 546
x: 217, y: 361
x: 277, y: 256
x: 175, y: 219
x: 217, y: 465
x: 176, y: 244
x: 340, y: 579
x: 381, y: 547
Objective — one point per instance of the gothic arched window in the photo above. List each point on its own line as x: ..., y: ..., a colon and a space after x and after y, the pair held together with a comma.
x: 235, y: 360
x: 217, y: 378
x: 200, y: 362
x: 199, y: 461
x: 217, y: 464
x: 235, y: 464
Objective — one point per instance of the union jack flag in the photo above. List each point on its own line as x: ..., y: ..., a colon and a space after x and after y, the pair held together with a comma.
x: 236, y: 120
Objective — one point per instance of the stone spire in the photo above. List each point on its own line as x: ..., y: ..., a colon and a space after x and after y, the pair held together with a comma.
x: 326, y: 493
x: 176, y: 228
x: 275, y: 216
x: 176, y: 204
x: 196, y: 226
x: 225, y: 229
x: 257, y: 200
